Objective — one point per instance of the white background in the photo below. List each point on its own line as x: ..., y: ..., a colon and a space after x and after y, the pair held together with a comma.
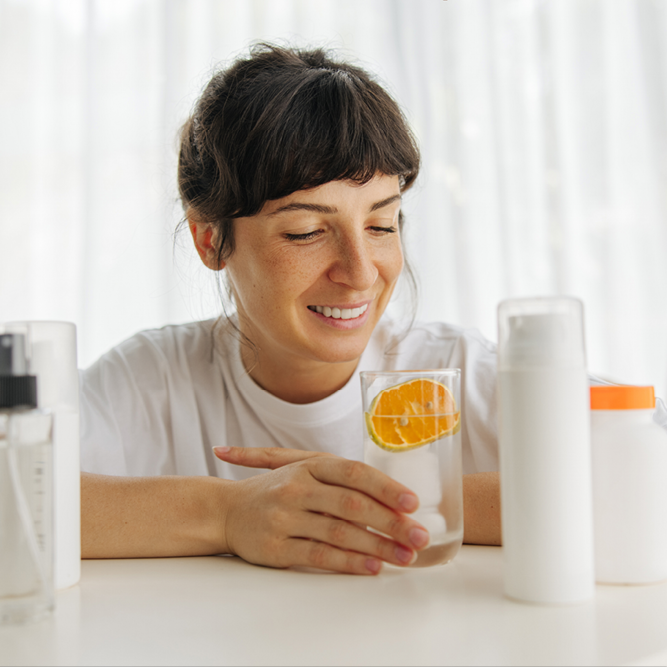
x: 543, y: 126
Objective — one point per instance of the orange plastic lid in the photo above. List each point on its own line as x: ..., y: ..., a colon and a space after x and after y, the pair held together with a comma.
x: 622, y: 397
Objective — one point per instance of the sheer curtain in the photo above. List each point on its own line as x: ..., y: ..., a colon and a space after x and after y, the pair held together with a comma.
x: 543, y: 126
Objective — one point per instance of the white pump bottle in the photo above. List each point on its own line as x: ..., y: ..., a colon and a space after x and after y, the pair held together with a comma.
x: 545, y: 456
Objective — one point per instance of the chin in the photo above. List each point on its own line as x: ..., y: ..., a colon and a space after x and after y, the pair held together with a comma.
x: 341, y: 354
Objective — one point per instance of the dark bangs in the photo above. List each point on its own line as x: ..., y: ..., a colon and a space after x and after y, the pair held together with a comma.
x: 285, y: 120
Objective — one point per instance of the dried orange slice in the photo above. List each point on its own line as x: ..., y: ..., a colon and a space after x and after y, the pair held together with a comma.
x: 412, y: 414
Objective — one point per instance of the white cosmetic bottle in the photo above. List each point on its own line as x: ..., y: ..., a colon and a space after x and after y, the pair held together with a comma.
x: 545, y: 455
x: 629, y: 489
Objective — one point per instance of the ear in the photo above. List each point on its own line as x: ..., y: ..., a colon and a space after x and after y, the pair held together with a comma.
x: 202, y: 235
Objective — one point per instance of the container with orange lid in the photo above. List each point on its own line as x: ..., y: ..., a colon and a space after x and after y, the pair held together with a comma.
x: 629, y: 486
x: 622, y: 397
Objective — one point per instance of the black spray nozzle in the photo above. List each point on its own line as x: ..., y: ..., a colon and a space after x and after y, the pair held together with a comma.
x: 17, y: 388
x: 12, y: 354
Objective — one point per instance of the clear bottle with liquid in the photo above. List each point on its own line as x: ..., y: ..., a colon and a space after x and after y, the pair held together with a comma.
x: 26, y: 491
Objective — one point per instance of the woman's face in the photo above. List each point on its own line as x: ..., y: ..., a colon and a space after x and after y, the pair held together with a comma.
x: 313, y: 272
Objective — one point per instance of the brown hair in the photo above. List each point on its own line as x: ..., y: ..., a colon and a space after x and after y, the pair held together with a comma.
x: 283, y: 120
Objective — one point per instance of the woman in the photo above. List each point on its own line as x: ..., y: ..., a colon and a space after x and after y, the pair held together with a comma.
x: 291, y: 173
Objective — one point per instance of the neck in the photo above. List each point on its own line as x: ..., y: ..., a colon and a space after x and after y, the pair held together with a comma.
x: 296, y: 381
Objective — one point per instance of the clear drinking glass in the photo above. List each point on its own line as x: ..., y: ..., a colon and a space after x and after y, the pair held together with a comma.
x: 412, y: 423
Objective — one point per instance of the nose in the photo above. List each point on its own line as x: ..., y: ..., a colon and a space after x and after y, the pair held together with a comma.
x: 355, y: 264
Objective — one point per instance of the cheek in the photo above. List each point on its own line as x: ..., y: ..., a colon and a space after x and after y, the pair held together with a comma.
x: 265, y: 287
x: 290, y: 276
x: 392, y: 265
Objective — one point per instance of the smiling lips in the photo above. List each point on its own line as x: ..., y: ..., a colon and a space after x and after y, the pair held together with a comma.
x: 340, y: 313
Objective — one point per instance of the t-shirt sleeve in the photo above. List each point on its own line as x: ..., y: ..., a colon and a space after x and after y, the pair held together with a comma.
x: 125, y: 421
x: 477, y: 359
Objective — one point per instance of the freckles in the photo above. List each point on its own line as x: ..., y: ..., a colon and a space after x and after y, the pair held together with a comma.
x: 392, y: 262
x: 295, y: 270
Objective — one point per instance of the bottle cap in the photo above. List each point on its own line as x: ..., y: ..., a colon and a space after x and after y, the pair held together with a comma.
x: 622, y: 397
x: 17, y: 388
x: 51, y: 348
x: 543, y: 332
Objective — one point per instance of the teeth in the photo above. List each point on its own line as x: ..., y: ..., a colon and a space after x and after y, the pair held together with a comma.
x: 340, y: 313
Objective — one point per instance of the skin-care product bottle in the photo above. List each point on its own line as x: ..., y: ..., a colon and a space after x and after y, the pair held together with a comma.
x: 26, y: 491
x: 629, y: 487
x: 545, y: 454
x: 53, y: 360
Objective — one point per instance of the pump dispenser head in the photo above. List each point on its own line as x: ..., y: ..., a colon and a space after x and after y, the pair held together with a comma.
x: 17, y: 388
x: 541, y: 333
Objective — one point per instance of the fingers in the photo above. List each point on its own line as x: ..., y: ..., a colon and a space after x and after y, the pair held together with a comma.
x: 329, y: 470
x: 325, y: 557
x: 361, y: 477
x: 356, y: 507
x: 346, y: 536
x: 264, y: 457
x: 305, y: 511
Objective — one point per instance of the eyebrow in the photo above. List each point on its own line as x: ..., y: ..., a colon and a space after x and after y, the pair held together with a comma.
x: 320, y: 208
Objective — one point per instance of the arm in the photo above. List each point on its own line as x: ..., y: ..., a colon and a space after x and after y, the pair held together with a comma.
x: 481, y: 508
x: 135, y: 517
x: 305, y: 511
x: 143, y: 517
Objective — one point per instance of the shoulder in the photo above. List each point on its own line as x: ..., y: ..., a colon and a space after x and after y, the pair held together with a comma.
x: 429, y: 344
x: 168, y: 341
x: 149, y: 356
x: 441, y: 332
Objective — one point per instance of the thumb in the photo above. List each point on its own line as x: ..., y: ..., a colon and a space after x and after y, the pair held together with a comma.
x: 263, y: 457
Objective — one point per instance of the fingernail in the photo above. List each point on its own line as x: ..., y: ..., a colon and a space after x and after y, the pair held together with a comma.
x: 373, y: 565
x: 404, y: 555
x: 408, y: 501
x: 222, y: 450
x: 419, y: 537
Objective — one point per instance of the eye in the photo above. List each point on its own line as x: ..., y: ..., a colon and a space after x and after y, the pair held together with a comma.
x: 384, y: 230
x: 303, y: 237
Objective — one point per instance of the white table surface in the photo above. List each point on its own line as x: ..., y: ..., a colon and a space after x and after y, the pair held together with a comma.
x: 220, y: 611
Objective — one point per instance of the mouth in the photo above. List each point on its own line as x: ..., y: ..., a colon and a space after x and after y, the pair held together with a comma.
x: 340, y: 313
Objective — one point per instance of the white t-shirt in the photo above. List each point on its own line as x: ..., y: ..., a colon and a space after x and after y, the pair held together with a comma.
x: 157, y: 403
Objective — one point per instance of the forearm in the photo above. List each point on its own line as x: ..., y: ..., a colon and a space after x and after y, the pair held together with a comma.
x: 481, y: 508
x: 135, y: 517
x: 143, y: 517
